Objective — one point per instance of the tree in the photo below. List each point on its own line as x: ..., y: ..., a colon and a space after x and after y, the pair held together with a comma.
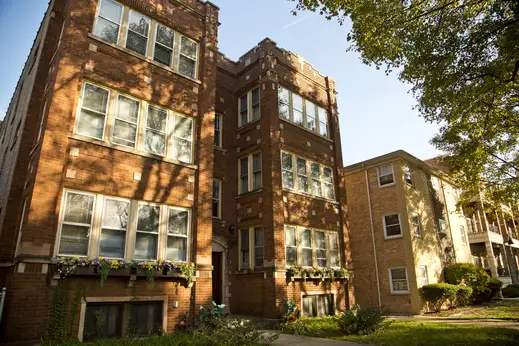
x: 462, y: 60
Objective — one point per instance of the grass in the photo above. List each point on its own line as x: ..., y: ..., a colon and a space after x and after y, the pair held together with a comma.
x: 503, y: 310
x: 418, y: 334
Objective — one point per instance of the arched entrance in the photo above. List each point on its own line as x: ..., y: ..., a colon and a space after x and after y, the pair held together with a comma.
x: 219, y: 274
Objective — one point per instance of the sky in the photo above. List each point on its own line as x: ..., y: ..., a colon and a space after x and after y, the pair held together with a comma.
x: 375, y: 110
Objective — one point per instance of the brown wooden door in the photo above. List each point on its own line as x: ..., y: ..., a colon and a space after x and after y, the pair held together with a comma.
x: 217, y: 277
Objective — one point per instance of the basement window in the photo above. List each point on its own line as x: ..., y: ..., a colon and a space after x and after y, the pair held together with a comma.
x: 103, y: 320
x: 318, y: 305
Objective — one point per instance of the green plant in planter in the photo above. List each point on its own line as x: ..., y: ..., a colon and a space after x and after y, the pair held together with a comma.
x: 343, y: 272
x: 211, y: 318
x: 189, y: 270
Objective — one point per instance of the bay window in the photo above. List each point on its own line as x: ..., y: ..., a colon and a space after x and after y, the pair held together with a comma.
x: 310, y: 247
x: 125, y: 229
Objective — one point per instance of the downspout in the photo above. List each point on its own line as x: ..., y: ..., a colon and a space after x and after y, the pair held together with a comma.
x: 373, y: 239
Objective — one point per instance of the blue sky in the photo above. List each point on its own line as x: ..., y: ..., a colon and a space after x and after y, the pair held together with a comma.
x: 376, y: 114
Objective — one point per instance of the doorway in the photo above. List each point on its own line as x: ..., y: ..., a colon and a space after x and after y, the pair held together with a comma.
x: 217, y: 277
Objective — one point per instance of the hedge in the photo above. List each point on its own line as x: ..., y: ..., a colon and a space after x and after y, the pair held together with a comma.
x: 437, y: 295
x: 472, y: 276
x: 511, y: 291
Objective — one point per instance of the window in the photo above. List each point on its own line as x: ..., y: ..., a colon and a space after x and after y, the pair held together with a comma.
x: 398, y: 280
x: 302, y: 112
x: 287, y: 171
x: 385, y: 175
x: 183, y: 139
x: 178, y: 233
x: 146, y: 318
x: 114, y: 228
x: 290, y: 246
x: 146, y: 239
x: 137, y: 33
x: 442, y: 226
x: 93, y: 111
x: 217, y: 189
x: 163, y: 48
x: 251, y: 239
x: 301, y: 243
x: 321, y: 177
x: 392, y: 226
x: 417, y: 227
x: 421, y: 273
x: 218, y: 131
x: 108, y: 21
x: 408, y: 175
x: 318, y: 305
x: 126, y: 121
x: 250, y: 182
x: 249, y: 106
x: 103, y: 320
x: 187, y: 57
x: 463, y: 235
x: 76, y: 223
x: 155, y: 132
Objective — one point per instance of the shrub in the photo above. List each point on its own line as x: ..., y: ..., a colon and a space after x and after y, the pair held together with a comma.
x: 296, y: 327
x: 361, y: 320
x: 469, y: 274
x: 511, y: 291
x: 437, y: 295
x: 463, y: 296
x: 495, y: 286
x: 211, y: 318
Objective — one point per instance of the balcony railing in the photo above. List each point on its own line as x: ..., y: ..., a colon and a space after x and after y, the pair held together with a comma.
x: 493, y: 228
x: 471, y: 226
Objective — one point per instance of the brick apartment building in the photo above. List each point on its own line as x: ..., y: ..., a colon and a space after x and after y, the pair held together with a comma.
x: 404, y: 228
x: 130, y: 137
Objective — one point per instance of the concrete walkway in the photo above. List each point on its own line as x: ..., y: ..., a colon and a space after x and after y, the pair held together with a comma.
x: 495, y: 323
x: 290, y: 339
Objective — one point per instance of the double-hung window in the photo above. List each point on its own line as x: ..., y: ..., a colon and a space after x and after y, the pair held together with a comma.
x: 249, y: 107
x: 187, y: 57
x: 251, y: 248
x: 284, y: 103
x: 416, y: 225
x: 311, y: 247
x: 311, y: 124
x: 392, y: 227
x: 250, y: 173
x: 76, y: 223
x: 298, y: 109
x: 114, y: 228
x: 302, y: 175
x: 178, y: 233
x: 287, y: 170
x: 155, y: 133
x: 163, y: 48
x: 218, y: 131
x: 217, y: 193
x: 408, y: 177
x: 93, y: 111
x: 137, y: 33
x: 108, y: 21
x: 126, y: 122
x: 398, y: 280
x: 315, y: 174
x: 183, y: 139
x: 421, y: 273
x: 385, y: 175
x: 323, y: 122
x: 146, y: 238
x: 328, y: 188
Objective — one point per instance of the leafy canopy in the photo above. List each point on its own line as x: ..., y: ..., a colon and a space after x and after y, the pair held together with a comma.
x: 462, y: 60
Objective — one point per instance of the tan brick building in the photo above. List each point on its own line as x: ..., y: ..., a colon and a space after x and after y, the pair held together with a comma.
x: 404, y: 228
x: 130, y: 137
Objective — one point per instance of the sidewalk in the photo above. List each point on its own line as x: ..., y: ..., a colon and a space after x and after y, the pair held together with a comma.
x: 460, y: 321
x: 290, y: 339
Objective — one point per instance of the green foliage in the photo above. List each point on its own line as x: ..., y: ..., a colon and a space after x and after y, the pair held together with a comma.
x: 469, y: 274
x: 511, y: 291
x: 212, y: 317
x: 437, y: 295
x: 460, y: 57
x: 297, y: 327
x: 495, y: 286
x: 463, y: 296
x: 292, y: 312
x: 189, y: 270
x: 361, y: 321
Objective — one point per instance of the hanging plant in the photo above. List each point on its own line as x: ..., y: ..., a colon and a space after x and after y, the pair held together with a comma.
x: 189, y: 270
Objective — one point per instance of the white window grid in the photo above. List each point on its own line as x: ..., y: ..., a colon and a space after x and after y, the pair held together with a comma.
x: 249, y: 107
x: 386, y: 225
x: 392, y: 281
x: 385, y: 171
x: 299, y: 246
x: 251, y: 173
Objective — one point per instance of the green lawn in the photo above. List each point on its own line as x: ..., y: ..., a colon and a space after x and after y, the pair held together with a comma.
x: 505, y: 310
x: 418, y: 334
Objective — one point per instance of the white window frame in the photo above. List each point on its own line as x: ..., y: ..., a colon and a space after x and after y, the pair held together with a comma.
x: 80, y: 106
x: 385, y: 226
x: 250, y: 172
x: 407, y: 174
x: 161, y: 217
x: 291, y: 171
x: 392, y: 290
x: 463, y: 232
x: 294, y: 228
x: 166, y: 234
x: 379, y: 168
x: 252, y: 247
x: 115, y: 117
x: 179, y: 53
x: 155, y: 42
x: 299, y: 247
x: 420, y: 229
x: 300, y: 230
x: 171, y: 133
x: 128, y: 29
x: 127, y: 231
x: 219, y: 199
x: 421, y: 280
x: 219, y: 137
x: 249, y: 107
x: 167, y: 132
x: 96, y: 20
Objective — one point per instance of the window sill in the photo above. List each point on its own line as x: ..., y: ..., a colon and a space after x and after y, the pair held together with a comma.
x: 249, y: 271
x: 129, y: 150
x: 406, y: 293
x: 307, y: 130
x: 127, y: 51
x: 393, y: 237
x: 220, y: 149
x: 310, y: 196
x: 248, y: 193
x: 250, y: 123
x: 385, y: 185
